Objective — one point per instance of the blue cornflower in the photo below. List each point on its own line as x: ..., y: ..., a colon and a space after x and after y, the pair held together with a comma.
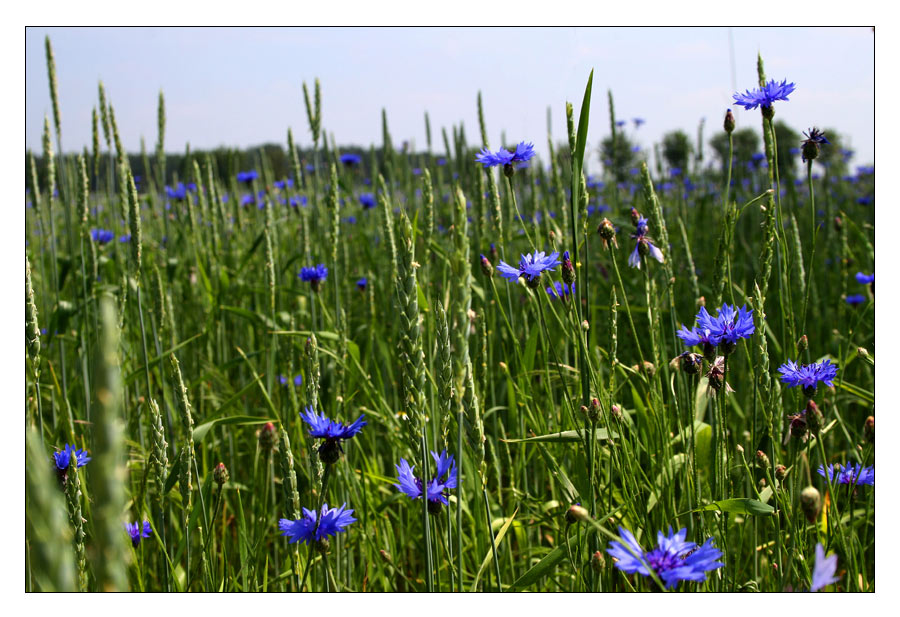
x: 102, y: 236
x: 331, y: 522
x: 522, y: 153
x: 283, y: 184
x: 62, y: 458
x: 643, y: 246
x: 351, y: 159
x: 673, y: 560
x: 332, y: 432
x: 314, y: 275
x: 726, y: 329
x: 136, y: 531
x: 808, y: 375
x: 853, y: 473
x: 620, y: 123
x: 367, y: 200
x: 560, y: 290
x: 638, y: 122
x: 771, y: 92
x: 179, y: 192
x: 675, y: 171
x: 823, y: 569
x: 441, y: 162
x: 125, y: 238
x: 530, y: 267
x: 298, y: 380
x: 362, y: 283
x: 865, y: 279
x: 409, y: 484
x: 247, y: 176
x: 810, y: 145
x: 855, y: 299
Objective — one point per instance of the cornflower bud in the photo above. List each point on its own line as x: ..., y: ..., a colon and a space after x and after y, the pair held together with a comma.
x: 762, y: 461
x: 810, y: 503
x: 635, y: 217
x: 729, y: 122
x: 486, y: 268
x: 869, y: 429
x: 568, y: 270
x: 220, y: 474
x: 802, y: 344
x: 780, y: 472
x: 577, y: 514
x: 268, y: 437
x: 607, y: 231
x: 814, y: 419
x: 594, y: 411
x: 597, y: 562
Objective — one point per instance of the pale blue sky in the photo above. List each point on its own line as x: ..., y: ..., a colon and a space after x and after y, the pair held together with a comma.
x: 242, y: 87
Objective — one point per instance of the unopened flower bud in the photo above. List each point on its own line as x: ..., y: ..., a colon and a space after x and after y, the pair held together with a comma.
x: 585, y: 325
x: 810, y: 503
x: 729, y: 122
x: 577, y: 514
x: 568, y: 270
x: 869, y: 429
x: 616, y: 412
x: 740, y: 449
x: 493, y: 252
x: 486, y: 268
x: 814, y: 419
x: 762, y: 460
x: 594, y: 410
x: 268, y: 437
x: 780, y: 472
x: 607, y: 231
x: 220, y: 474
x: 798, y: 426
x: 802, y: 344
x: 635, y: 217
x: 386, y: 557
x: 597, y: 561
x: 862, y: 353
x: 838, y: 223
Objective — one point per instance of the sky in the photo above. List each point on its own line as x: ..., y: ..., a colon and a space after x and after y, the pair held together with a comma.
x: 243, y: 86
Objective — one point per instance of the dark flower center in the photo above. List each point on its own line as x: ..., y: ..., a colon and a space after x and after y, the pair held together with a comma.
x: 661, y: 560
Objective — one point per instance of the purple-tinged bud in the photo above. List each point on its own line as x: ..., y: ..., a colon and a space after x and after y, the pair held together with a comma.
x: 802, y: 344
x: 814, y: 418
x: 838, y: 223
x: 386, y: 557
x: 268, y: 437
x: 597, y: 562
x: 220, y: 474
x: 810, y: 503
x: 798, y: 426
x: 486, y: 268
x: 607, y: 231
x: 780, y: 472
x: 635, y: 217
x: 862, y: 353
x: 729, y: 122
x: 616, y: 412
x: 568, y: 270
x: 762, y: 461
x: 594, y: 411
x: 869, y: 429
x: 701, y: 301
x: 493, y: 252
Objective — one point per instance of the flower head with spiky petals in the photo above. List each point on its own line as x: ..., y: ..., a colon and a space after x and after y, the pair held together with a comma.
x: 331, y: 522
x: 332, y: 432
x: 314, y: 276
x: 808, y: 375
x: 853, y: 473
x: 823, y: 570
x: 367, y: 200
x: 351, y: 159
x: 726, y: 328
x: 247, y: 176
x: 673, y: 560
x: 865, y: 279
x: 855, y: 299
x: 137, y: 531
x: 530, y: 267
x: 63, y: 457
x: 765, y: 96
x: 523, y: 152
x: 436, y: 491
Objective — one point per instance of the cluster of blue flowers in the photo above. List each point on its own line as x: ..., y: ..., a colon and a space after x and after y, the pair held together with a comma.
x: 673, y: 560
x: 725, y: 329
x: 504, y: 157
x: 102, y: 236
x: 852, y: 473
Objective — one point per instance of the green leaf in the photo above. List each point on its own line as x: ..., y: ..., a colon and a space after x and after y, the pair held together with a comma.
x: 581, y: 140
x: 540, y: 569
x: 530, y: 350
x: 703, y: 446
x: 489, y: 556
x: 600, y: 434
x: 251, y: 315
x: 865, y: 395
x: 201, y: 431
x: 739, y: 505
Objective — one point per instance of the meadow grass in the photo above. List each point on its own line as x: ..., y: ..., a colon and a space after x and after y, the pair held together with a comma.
x: 182, y: 351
